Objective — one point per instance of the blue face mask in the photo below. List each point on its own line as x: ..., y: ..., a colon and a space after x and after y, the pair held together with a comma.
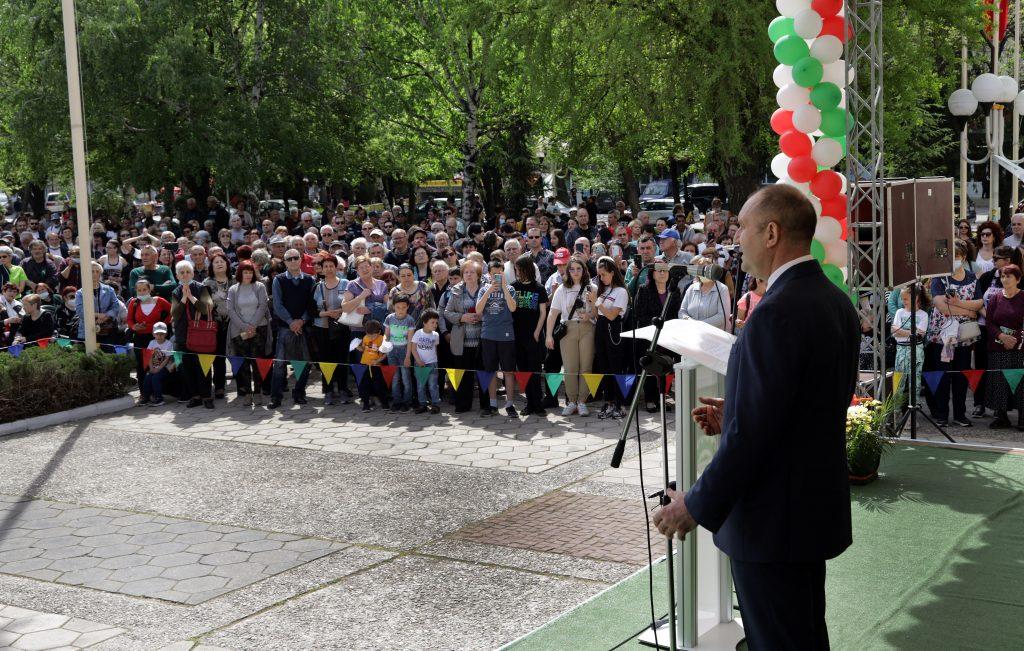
x: 958, y: 265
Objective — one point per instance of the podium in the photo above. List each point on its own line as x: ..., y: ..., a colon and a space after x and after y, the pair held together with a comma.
x: 703, y: 580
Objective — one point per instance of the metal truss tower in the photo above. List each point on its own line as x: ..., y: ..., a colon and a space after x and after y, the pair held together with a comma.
x: 865, y: 172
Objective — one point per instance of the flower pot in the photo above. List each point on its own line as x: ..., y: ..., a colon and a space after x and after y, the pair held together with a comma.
x: 863, y: 470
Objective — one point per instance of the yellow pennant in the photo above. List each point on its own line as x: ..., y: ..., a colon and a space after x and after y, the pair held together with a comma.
x: 327, y: 368
x: 205, y: 361
x: 593, y: 381
x: 455, y: 376
x: 896, y: 377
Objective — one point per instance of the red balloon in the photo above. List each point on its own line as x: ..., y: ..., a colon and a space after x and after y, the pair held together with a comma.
x: 826, y: 184
x: 793, y: 144
x: 782, y: 121
x: 827, y: 8
x: 834, y: 207
x: 802, y: 169
x: 835, y: 26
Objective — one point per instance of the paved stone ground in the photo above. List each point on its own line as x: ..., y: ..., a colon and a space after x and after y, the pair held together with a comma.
x: 389, y: 531
x: 21, y: 628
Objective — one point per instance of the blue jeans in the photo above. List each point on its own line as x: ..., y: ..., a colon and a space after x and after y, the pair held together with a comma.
x: 431, y: 385
x: 289, y: 346
x: 401, y: 384
x: 153, y: 384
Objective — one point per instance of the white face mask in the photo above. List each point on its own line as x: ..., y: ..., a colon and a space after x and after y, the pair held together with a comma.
x: 44, y: 296
x: 958, y: 265
x: 145, y: 299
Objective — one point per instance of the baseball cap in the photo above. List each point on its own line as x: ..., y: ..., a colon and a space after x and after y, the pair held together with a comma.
x: 669, y: 233
x: 277, y: 239
x: 562, y: 256
x: 160, y: 327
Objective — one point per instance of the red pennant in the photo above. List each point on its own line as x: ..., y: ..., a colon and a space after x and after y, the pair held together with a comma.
x: 389, y: 373
x: 264, y: 366
x: 43, y: 343
x: 147, y: 357
x: 669, y: 380
x: 973, y: 378
x: 522, y: 379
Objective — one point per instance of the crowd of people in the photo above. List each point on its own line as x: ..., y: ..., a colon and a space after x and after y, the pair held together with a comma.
x: 369, y: 291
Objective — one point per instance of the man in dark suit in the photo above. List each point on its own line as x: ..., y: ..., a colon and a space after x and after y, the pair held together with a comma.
x: 776, y: 493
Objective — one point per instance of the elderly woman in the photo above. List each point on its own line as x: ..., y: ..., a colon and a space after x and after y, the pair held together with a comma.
x: 218, y: 282
x: 464, y: 323
x: 248, y: 333
x: 36, y: 324
x: 189, y: 300
x: 1004, y: 315
x: 107, y: 307
x: 13, y: 273
x: 707, y: 300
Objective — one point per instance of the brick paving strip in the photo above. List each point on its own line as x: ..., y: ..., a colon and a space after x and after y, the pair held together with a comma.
x: 142, y: 554
x: 576, y: 524
x: 21, y: 628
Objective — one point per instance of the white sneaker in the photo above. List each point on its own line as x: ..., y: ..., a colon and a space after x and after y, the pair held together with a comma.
x: 583, y: 410
x: 570, y: 409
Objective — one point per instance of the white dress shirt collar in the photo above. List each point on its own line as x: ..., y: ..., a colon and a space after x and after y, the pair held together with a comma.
x: 781, y: 270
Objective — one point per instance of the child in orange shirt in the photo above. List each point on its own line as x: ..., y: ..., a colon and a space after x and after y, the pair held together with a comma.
x: 373, y: 381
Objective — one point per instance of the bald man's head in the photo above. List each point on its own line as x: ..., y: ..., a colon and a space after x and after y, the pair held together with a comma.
x: 789, y: 208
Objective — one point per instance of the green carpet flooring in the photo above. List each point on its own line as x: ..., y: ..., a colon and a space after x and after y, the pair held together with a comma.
x: 937, y: 563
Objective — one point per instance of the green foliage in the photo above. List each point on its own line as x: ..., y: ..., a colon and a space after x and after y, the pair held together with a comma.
x: 42, y: 381
x: 867, y: 432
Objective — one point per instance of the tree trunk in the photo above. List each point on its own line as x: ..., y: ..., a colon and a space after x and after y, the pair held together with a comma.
x: 673, y: 172
x: 740, y: 184
x: 632, y: 190
x: 34, y: 197
x: 470, y: 155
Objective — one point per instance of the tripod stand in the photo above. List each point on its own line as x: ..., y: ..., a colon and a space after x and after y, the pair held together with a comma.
x: 913, y: 407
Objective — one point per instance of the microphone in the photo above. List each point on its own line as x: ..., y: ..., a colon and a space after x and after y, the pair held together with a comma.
x: 712, y: 271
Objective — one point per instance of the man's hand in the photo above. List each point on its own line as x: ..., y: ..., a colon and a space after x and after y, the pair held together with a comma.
x: 709, y: 417
x: 674, y: 519
x: 296, y: 326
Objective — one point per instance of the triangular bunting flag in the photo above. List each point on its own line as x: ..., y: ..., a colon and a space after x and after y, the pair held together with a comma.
x: 1013, y: 377
x: 897, y: 376
x: 63, y: 342
x: 625, y: 383
x: 43, y: 343
x: 388, y: 372
x: 522, y: 379
x: 555, y: 381
x: 359, y: 370
x: 484, y: 378
x: 932, y: 379
x: 593, y: 381
x: 147, y: 357
x: 121, y: 350
x: 236, y: 364
x: 669, y: 381
x: 455, y: 376
x: 328, y: 368
x: 298, y: 366
x: 177, y: 357
x: 263, y: 366
x: 422, y: 373
x: 205, y: 362
x: 973, y: 378
x: 16, y: 349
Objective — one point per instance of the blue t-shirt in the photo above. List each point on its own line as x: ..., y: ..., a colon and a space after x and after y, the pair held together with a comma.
x: 497, y: 318
x: 401, y: 328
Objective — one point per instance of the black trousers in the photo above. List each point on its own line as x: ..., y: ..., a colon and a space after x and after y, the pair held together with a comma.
x: 472, y: 361
x: 141, y: 341
x: 782, y: 604
x: 955, y: 383
x: 529, y: 357
x: 981, y: 363
x: 193, y: 382
x: 220, y: 363
x: 611, y: 357
x: 332, y: 349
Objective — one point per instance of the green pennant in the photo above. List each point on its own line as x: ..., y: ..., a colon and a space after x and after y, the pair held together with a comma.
x: 555, y: 381
x: 298, y: 366
x: 1013, y: 377
x: 177, y: 358
x: 422, y: 373
x: 63, y: 342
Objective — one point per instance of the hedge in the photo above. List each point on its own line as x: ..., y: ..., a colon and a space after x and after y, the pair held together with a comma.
x: 46, y: 380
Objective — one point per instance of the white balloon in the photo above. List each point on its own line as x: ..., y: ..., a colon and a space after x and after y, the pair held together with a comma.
x: 807, y: 23
x: 816, y: 202
x: 791, y: 97
x: 827, y: 152
x: 790, y: 8
x: 846, y: 183
x: 836, y: 253
x: 827, y: 230
x: 780, y: 165
x: 802, y: 187
x: 783, y: 75
x: 835, y: 73
x: 807, y: 118
x: 827, y: 49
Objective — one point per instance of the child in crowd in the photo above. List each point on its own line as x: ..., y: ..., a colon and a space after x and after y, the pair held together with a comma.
x: 397, y: 327
x: 373, y: 381
x: 424, y: 351
x: 901, y: 333
x: 160, y: 366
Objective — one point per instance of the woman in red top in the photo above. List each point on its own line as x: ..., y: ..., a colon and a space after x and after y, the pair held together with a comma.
x: 144, y: 311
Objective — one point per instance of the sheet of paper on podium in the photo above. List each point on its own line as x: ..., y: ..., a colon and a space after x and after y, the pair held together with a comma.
x: 696, y: 340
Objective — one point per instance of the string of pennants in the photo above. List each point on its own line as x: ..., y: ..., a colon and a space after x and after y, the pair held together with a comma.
x: 932, y: 379
x: 625, y: 381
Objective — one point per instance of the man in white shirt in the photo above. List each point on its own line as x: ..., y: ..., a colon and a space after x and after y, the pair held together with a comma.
x: 1015, y: 238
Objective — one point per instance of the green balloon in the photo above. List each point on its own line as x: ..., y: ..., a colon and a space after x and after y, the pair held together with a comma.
x: 834, y: 123
x: 842, y: 143
x: 790, y: 49
x: 834, y: 273
x: 780, y: 27
x: 826, y: 96
x: 818, y: 251
x: 807, y: 72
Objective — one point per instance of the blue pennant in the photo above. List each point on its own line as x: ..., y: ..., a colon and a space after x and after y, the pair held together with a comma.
x: 933, y: 379
x: 625, y: 383
x: 359, y: 370
x: 484, y: 378
x: 236, y: 363
x: 16, y: 349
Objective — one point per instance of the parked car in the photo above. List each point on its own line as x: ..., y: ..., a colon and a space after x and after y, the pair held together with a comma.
x: 277, y: 204
x: 437, y: 202
x: 701, y: 195
x: 658, y: 208
x: 5, y: 203
x: 55, y: 202
x: 658, y: 189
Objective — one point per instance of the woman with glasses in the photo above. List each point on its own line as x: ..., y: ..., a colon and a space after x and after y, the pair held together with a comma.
x: 990, y: 235
x: 653, y: 297
x: 571, y: 305
x: 964, y: 230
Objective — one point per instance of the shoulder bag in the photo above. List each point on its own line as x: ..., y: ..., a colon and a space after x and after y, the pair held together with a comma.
x: 562, y: 327
x: 202, y: 333
x: 353, y: 319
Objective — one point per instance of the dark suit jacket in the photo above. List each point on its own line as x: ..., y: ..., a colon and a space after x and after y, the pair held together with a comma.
x: 777, y: 488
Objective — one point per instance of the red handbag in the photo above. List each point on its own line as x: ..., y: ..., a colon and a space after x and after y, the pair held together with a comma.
x: 202, y: 333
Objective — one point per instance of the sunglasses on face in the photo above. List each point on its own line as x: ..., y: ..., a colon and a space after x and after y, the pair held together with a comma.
x: 292, y: 258
x: 987, y: 234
